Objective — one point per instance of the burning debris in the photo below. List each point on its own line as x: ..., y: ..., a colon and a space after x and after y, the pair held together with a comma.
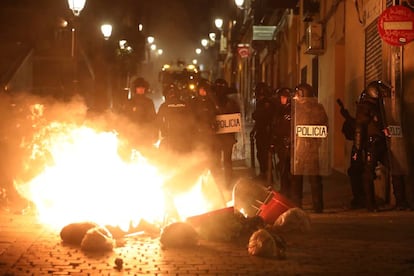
x: 72, y: 165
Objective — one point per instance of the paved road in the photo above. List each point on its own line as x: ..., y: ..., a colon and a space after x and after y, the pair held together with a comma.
x: 340, y: 242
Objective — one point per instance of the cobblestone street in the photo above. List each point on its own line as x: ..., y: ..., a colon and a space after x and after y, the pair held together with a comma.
x: 340, y: 242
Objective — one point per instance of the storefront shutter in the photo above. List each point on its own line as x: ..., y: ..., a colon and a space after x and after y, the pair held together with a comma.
x: 373, y: 53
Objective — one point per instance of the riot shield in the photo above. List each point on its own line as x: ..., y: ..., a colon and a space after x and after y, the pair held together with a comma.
x: 309, y: 151
x: 397, y: 153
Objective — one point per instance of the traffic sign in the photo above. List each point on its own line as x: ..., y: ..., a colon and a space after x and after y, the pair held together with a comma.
x: 396, y: 25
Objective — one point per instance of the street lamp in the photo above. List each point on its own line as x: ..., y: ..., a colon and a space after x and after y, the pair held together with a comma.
x: 239, y: 3
x: 222, y: 46
x: 204, y: 42
x: 76, y: 6
x: 106, y: 30
x: 150, y: 39
x: 212, y: 36
x: 219, y: 23
x: 223, y: 42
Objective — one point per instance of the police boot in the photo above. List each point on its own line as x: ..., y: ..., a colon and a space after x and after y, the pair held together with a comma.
x: 370, y: 203
x: 317, y: 193
x: 358, y: 197
x: 399, y: 192
x: 296, y: 190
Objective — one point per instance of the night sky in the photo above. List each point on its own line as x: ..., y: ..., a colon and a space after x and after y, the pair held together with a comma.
x: 177, y: 25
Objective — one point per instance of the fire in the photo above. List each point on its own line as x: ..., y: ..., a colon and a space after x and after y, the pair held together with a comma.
x: 200, y: 198
x: 76, y: 173
x: 87, y: 180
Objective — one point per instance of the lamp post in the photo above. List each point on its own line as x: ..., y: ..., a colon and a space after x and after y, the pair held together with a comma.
x: 106, y: 30
x: 219, y: 25
x: 76, y: 6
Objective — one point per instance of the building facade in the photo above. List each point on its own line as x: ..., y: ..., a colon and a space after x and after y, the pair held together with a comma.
x: 335, y: 46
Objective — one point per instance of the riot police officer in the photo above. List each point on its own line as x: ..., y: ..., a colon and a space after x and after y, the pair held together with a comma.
x: 356, y: 166
x: 281, y: 138
x: 371, y: 144
x: 174, y: 121
x: 141, y: 111
x: 204, y: 112
x: 224, y: 142
x: 262, y: 116
x: 309, y: 153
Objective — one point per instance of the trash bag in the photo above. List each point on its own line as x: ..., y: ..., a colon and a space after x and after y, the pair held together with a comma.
x: 73, y: 233
x: 263, y: 243
x: 97, y: 239
x: 220, y: 227
x: 178, y: 234
x: 294, y: 219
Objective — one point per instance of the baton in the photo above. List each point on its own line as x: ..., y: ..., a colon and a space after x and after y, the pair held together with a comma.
x: 252, y: 155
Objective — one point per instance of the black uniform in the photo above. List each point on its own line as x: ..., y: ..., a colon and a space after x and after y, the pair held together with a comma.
x: 371, y: 143
x: 141, y: 111
x: 174, y: 119
x: 224, y: 142
x: 356, y: 166
x: 281, y: 139
x: 262, y: 116
x: 204, y: 112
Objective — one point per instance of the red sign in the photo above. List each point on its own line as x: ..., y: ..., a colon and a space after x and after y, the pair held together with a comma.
x: 243, y: 50
x: 396, y: 25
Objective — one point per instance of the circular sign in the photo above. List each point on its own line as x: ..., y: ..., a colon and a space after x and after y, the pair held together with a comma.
x: 396, y: 25
x: 243, y: 51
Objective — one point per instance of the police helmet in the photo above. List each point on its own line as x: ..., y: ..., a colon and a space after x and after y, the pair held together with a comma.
x: 221, y: 88
x: 261, y: 90
x: 304, y: 90
x: 362, y: 96
x: 170, y: 90
x: 204, y: 83
x: 221, y: 83
x: 284, y: 91
x: 376, y: 89
x: 140, y: 82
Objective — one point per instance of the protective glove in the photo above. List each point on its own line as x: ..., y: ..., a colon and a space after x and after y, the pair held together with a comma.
x: 356, y: 154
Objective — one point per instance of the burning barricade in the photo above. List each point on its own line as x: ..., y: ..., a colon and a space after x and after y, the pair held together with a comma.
x: 73, y: 167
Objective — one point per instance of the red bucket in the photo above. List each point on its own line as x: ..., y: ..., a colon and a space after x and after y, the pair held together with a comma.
x: 275, y: 205
x: 199, y: 219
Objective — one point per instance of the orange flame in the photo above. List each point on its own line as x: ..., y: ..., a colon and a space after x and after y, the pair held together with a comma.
x: 83, y: 178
